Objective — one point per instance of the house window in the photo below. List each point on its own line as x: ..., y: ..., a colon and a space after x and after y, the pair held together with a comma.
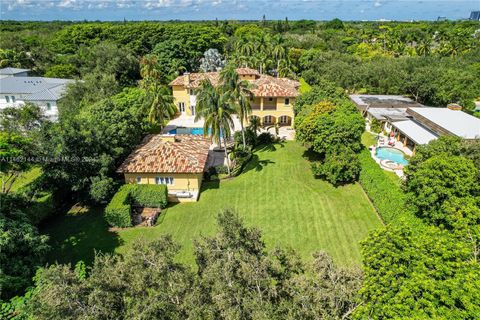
x: 287, y: 101
x: 283, y: 119
x: 49, y: 106
x: 181, y: 106
x: 7, y: 98
x: 267, y: 119
x: 270, y: 99
x: 164, y: 180
x: 138, y: 180
x: 13, y: 98
x: 192, y: 93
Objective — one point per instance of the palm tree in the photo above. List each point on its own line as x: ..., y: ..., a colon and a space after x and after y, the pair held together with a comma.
x: 238, y: 91
x: 159, y: 101
x: 254, y: 124
x: 216, y: 108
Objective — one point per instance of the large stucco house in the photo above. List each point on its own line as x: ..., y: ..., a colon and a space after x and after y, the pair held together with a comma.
x: 272, y: 99
x: 17, y: 88
x: 178, y: 161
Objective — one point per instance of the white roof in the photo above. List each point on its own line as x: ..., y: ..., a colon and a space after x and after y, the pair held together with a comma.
x: 367, y: 99
x: 383, y: 113
x: 457, y: 122
x: 11, y: 71
x: 35, y: 88
x: 414, y: 131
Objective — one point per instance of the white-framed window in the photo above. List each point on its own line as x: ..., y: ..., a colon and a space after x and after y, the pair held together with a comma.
x: 7, y: 98
x: 267, y: 119
x: 138, y: 180
x: 49, y: 106
x: 13, y: 98
x: 164, y: 180
x: 283, y: 119
x: 287, y: 101
x: 181, y: 106
x: 192, y: 110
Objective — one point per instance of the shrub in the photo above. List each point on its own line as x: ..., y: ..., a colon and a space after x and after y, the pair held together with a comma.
x: 118, y: 211
x: 150, y: 195
x: 375, y: 126
x: 341, y: 165
x: 250, y: 137
x: 265, y: 138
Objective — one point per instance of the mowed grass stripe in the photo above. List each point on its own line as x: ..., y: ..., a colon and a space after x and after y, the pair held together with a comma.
x: 277, y: 194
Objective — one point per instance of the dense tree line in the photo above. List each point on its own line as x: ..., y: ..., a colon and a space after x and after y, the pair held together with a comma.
x: 235, y: 278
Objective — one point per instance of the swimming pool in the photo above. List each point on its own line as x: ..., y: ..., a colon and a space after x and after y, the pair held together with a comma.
x: 182, y: 130
x: 385, y: 153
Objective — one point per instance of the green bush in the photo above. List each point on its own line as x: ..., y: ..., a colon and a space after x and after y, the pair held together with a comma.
x: 118, y: 212
x: 41, y: 208
x: 150, y: 195
x: 387, y: 197
x: 265, y: 138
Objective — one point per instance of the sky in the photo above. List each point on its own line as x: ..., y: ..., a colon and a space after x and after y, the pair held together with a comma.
x: 108, y: 10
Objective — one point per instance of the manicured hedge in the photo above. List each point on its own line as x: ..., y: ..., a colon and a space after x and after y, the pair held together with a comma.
x: 150, y: 195
x: 118, y: 213
x: 387, y: 197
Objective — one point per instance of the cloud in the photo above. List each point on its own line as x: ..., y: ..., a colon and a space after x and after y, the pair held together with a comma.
x: 377, y: 4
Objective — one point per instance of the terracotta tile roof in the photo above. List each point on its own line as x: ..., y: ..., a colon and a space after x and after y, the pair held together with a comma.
x: 262, y: 86
x: 165, y: 154
x: 247, y: 71
x: 196, y: 79
x: 268, y: 86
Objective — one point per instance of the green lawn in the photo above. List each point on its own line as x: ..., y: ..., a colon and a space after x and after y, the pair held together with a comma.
x: 277, y: 193
x: 26, y: 178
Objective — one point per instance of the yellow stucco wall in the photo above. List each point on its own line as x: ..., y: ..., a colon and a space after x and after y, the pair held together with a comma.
x: 180, y: 94
x: 181, y: 181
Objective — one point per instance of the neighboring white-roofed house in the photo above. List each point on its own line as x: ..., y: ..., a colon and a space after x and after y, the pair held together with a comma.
x: 13, y: 72
x: 444, y: 121
x: 45, y: 92
x: 415, y: 132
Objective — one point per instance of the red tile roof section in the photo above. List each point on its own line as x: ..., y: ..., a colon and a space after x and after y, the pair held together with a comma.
x: 159, y: 154
x: 262, y: 86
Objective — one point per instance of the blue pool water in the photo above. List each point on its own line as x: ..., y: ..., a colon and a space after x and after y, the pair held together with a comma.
x: 180, y: 130
x: 391, y: 154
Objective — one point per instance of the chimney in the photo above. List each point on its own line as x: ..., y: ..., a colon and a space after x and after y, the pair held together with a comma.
x: 168, y: 138
x: 454, y: 106
x: 186, y: 79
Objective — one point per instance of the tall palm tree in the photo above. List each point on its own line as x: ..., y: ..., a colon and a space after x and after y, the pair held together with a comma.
x: 159, y: 101
x: 239, y: 93
x: 216, y: 108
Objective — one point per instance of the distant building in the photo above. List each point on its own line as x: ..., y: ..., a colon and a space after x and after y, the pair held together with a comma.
x: 442, y: 19
x: 17, y: 88
x: 475, y: 15
x: 427, y: 124
x: 13, y: 72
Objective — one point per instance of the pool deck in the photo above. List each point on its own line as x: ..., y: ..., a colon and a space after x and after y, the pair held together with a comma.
x: 287, y: 133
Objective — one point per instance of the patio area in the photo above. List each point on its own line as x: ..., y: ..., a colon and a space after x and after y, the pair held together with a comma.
x: 185, y: 121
